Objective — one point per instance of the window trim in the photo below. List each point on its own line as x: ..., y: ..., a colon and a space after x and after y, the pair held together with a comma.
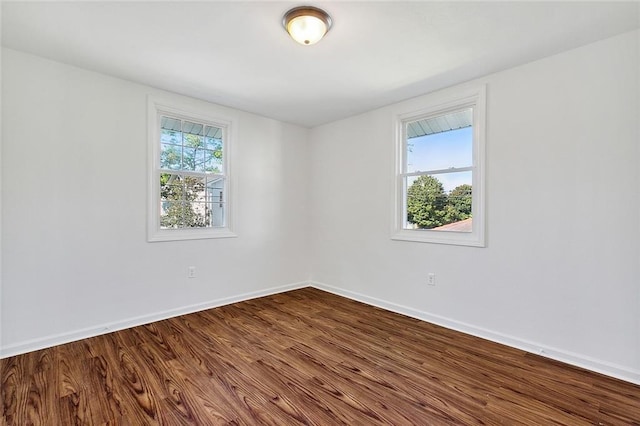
x: 156, y: 107
x: 435, y: 105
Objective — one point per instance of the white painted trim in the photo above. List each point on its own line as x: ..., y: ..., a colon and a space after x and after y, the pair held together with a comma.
x: 438, y: 104
x: 84, y: 333
x: 578, y: 360
x: 157, y: 106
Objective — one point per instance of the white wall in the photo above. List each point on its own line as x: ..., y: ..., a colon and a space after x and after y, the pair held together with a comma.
x: 74, y: 173
x: 1, y: 190
x: 561, y: 271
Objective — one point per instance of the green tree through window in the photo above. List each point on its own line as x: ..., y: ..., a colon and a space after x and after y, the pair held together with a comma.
x: 192, y: 197
x: 439, y: 164
x: 429, y: 206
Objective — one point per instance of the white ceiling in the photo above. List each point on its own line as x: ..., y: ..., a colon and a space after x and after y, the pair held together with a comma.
x: 237, y: 53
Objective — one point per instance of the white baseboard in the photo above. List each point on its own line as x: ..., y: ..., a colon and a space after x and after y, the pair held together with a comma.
x: 61, y: 338
x: 608, y: 369
x: 578, y: 360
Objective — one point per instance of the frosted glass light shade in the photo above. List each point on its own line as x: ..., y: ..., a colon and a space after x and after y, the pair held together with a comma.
x: 307, y: 25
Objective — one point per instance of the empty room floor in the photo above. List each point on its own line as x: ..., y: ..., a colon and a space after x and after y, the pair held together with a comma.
x: 303, y: 357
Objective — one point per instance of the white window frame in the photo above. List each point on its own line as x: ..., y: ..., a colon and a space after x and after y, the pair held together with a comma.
x: 156, y: 108
x: 435, y: 105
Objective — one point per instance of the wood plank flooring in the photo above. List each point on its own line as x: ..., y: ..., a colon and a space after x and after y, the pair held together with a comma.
x: 302, y: 357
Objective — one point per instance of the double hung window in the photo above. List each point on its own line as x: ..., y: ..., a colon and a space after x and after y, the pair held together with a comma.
x: 189, y: 175
x: 439, y: 178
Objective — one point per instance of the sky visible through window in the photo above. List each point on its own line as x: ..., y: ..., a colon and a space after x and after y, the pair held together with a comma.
x: 440, y: 151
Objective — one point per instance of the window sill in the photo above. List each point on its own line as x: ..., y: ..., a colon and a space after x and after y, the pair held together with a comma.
x: 470, y: 239
x: 190, y: 234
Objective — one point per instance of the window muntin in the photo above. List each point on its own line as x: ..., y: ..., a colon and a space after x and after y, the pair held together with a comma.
x: 190, y: 146
x: 193, y: 198
x: 189, y: 187
x: 440, y: 171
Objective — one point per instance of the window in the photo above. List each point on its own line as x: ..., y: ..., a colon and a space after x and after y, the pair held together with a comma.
x: 440, y: 171
x: 189, y: 175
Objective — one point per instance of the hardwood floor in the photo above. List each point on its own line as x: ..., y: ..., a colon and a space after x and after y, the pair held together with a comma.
x: 302, y: 357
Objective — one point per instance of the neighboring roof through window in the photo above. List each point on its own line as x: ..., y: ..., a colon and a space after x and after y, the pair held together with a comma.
x: 441, y: 123
x: 173, y: 124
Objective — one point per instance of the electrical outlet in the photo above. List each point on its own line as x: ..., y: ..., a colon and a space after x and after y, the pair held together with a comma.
x: 191, y: 272
x: 431, y: 278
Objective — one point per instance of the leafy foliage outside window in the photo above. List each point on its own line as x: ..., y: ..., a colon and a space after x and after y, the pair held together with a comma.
x: 178, y: 195
x: 192, y: 196
x: 184, y: 151
x: 439, y: 162
x: 438, y: 171
x: 429, y: 206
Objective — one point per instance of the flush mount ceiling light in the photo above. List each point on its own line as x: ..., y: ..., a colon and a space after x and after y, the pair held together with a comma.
x: 306, y: 24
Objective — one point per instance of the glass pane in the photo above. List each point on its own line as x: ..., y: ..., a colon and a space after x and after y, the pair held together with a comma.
x: 183, y: 202
x: 440, y: 202
x: 216, y: 214
x: 171, y: 187
x: 191, y: 201
x: 188, y: 158
x: 195, y: 215
x: 194, y: 188
x: 192, y: 141
x: 192, y: 146
x: 170, y: 156
x: 213, y: 144
x: 213, y: 161
x: 170, y: 136
x: 440, y: 142
x: 171, y: 214
x: 192, y: 129
x: 199, y: 160
x: 169, y: 123
x: 213, y: 133
x: 216, y: 199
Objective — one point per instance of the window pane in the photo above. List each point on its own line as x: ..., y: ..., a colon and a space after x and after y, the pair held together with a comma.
x: 216, y: 214
x: 213, y: 155
x: 183, y: 202
x: 193, y: 129
x: 187, y: 145
x: 213, y: 132
x: 213, y: 161
x: 171, y: 187
x: 171, y: 214
x: 195, y: 215
x: 188, y: 158
x: 170, y: 157
x: 216, y: 199
x: 192, y: 141
x: 213, y: 143
x: 440, y: 202
x: 170, y: 136
x: 194, y: 188
x: 440, y: 142
x: 199, y: 160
